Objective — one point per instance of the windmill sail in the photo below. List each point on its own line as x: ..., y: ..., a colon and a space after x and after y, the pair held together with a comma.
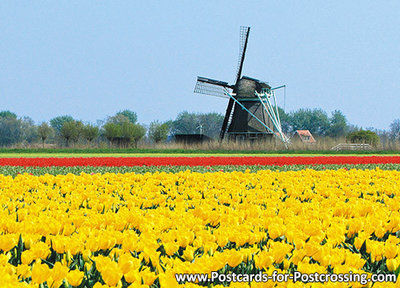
x: 211, y: 87
x: 228, y: 115
x: 244, y: 37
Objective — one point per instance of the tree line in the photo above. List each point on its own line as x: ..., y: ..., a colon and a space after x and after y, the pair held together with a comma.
x: 336, y: 126
x: 316, y: 121
x: 123, y: 129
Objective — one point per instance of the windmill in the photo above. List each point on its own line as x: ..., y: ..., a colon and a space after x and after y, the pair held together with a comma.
x: 252, y: 111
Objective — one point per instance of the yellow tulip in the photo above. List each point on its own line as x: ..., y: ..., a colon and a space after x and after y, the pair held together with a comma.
x: 86, y: 256
x: 7, y: 242
x: 171, y: 248
x: 75, y: 277
x: 188, y: 254
x: 235, y: 258
x: 27, y: 257
x: 297, y: 256
x: 111, y: 275
x: 127, y: 263
x: 59, y: 272
x: 148, y: 277
x: 168, y: 280
x: 263, y: 260
x: 390, y: 250
x: 392, y: 264
x: 40, y: 273
x: 132, y: 277
x: 23, y: 271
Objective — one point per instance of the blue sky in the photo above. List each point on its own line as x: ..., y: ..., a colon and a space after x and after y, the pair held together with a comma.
x: 91, y: 59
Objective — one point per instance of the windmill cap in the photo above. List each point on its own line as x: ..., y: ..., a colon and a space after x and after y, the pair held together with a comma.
x: 263, y: 84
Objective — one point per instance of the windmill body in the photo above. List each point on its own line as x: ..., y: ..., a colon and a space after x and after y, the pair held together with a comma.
x: 250, y: 113
x: 243, y: 125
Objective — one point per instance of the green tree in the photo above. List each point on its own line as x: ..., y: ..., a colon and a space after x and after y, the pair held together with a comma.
x: 158, y: 131
x: 185, y: 123
x: 190, y: 123
x: 28, y: 129
x: 14, y: 130
x: 395, y: 129
x: 132, y: 116
x: 337, y: 125
x: 138, y: 133
x: 10, y: 131
x: 315, y: 120
x: 112, y: 132
x: 90, y: 132
x: 58, y: 122
x: 211, y: 124
x: 71, y: 130
x: 8, y: 114
x: 121, y: 129
x: 364, y: 137
x: 122, y: 134
x: 118, y: 119
x: 44, y: 131
x: 127, y: 134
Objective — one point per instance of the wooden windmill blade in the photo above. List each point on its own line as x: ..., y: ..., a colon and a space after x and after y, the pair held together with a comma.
x: 244, y: 37
x: 211, y: 87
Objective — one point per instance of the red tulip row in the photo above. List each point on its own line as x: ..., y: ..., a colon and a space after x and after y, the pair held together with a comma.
x: 197, y: 161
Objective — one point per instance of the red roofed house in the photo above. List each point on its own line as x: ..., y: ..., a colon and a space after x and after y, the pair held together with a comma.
x: 305, y: 136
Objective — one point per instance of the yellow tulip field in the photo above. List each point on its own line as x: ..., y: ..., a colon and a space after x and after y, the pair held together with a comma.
x: 142, y: 230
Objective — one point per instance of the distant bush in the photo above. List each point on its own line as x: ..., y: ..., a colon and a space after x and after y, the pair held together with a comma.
x: 158, y: 131
x: 90, y: 132
x: 198, y: 123
x: 364, y: 137
x: 122, y: 132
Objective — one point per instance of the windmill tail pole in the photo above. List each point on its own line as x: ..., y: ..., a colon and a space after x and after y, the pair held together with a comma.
x: 273, y: 114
